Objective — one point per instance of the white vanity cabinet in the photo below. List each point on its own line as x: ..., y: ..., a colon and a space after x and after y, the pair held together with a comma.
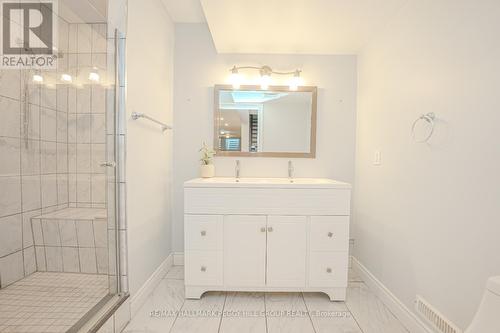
x: 266, y: 235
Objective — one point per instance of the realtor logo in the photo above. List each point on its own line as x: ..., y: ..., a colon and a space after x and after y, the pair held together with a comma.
x: 28, y: 34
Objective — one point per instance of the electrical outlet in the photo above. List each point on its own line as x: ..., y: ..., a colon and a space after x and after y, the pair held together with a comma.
x: 377, y: 157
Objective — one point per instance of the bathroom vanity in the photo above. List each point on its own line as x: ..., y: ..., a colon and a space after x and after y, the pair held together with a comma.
x: 266, y: 234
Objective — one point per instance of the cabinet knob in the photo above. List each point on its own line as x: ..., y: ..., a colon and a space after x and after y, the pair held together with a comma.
x: 328, y: 270
x: 203, y: 269
x: 330, y: 234
x: 263, y: 229
x: 270, y: 229
x: 203, y: 233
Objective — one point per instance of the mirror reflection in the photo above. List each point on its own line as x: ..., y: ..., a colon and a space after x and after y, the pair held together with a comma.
x: 265, y: 122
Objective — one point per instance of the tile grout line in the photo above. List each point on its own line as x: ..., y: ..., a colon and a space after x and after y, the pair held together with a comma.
x: 222, y: 314
x: 308, y: 312
x: 353, y: 316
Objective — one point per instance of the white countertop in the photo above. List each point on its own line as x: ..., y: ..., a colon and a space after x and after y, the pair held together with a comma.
x: 266, y: 183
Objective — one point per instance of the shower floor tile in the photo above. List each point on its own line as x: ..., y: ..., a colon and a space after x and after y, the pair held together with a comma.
x: 49, y: 302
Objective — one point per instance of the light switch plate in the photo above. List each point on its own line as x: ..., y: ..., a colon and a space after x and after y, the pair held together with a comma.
x: 377, y: 157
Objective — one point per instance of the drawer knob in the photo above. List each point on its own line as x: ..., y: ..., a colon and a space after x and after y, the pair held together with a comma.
x: 203, y: 233
x: 270, y: 229
x: 263, y: 229
x: 328, y: 270
x: 203, y: 269
x: 330, y: 234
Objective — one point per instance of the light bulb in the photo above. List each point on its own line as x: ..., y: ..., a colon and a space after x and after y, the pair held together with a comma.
x: 37, y: 78
x: 66, y: 78
x: 265, y: 80
x: 235, y: 78
x: 94, y: 76
x: 295, y: 81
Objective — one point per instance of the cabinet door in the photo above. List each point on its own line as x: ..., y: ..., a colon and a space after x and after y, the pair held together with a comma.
x: 286, y: 251
x: 244, y: 250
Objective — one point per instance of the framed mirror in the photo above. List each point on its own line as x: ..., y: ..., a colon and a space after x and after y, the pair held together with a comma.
x: 275, y: 122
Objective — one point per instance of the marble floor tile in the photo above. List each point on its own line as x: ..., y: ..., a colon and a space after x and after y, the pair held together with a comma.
x: 166, y: 310
x: 287, y: 312
x: 244, y: 313
x: 176, y: 272
x: 370, y: 313
x: 201, y: 316
x: 328, y: 316
x: 160, y: 310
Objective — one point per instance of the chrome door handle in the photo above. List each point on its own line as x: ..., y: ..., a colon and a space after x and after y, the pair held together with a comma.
x: 328, y: 270
x: 270, y: 229
x: 203, y: 269
x: 203, y: 233
x: 330, y: 234
x: 108, y: 164
x: 263, y: 229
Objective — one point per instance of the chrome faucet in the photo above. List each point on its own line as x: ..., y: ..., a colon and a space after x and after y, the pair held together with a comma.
x: 290, y: 171
x: 237, y: 170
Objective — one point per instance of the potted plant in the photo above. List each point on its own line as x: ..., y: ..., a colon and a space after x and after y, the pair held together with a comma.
x: 207, y: 169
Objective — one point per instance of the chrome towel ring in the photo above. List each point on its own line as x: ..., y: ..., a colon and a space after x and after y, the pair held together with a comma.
x: 429, y: 118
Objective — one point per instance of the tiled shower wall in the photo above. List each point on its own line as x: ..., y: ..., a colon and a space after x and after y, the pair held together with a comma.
x: 52, y: 139
x: 87, y: 118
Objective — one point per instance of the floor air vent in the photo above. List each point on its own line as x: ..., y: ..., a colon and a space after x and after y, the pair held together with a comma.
x: 434, y: 318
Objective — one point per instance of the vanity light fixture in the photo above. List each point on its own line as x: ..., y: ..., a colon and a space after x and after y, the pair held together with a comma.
x: 265, y: 76
x: 94, y: 75
x: 37, y: 78
x: 66, y: 78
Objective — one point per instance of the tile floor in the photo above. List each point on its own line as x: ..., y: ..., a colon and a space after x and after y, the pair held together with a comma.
x: 166, y: 310
x: 49, y: 302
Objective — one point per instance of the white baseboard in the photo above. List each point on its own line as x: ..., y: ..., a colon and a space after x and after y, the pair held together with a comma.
x: 147, y: 288
x: 179, y: 258
x: 407, y: 317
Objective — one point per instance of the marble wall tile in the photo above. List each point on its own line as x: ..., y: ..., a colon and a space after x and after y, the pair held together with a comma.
x: 10, y: 196
x: 49, y: 190
x: 62, y: 127
x: 48, y: 154
x: 85, y: 233
x: 28, y: 237
x: 11, y: 234
x: 71, y: 261
x: 83, y: 158
x: 41, y: 264
x: 83, y: 193
x: 10, y: 156
x: 31, y: 194
x: 30, y: 157
x: 54, y: 259
x: 48, y: 97
x: 98, y: 188
x: 88, y: 262
x: 32, y: 120
x: 62, y: 158
x: 83, y: 95
x: 48, y: 124
x: 11, y: 268
x: 83, y: 128
x: 67, y: 229
x: 29, y: 260
x: 98, y: 128
x: 11, y: 117
x: 10, y: 84
x: 72, y: 125
x: 50, y: 230
x: 62, y: 189
x: 102, y: 260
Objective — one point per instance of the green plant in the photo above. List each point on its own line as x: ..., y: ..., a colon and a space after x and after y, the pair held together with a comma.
x: 207, y: 154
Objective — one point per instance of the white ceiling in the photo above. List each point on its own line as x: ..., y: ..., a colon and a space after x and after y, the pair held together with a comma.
x: 287, y: 26
x: 185, y: 11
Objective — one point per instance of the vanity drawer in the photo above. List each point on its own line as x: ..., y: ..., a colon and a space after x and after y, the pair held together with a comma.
x: 203, y: 232
x: 328, y: 269
x: 203, y: 268
x: 329, y: 233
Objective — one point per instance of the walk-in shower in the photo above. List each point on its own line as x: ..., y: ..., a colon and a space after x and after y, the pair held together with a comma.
x: 59, y: 159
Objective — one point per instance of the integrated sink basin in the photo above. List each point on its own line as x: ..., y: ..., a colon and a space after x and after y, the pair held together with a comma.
x: 267, y: 182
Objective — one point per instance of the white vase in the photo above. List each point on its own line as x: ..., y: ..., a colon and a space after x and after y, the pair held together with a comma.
x: 207, y: 170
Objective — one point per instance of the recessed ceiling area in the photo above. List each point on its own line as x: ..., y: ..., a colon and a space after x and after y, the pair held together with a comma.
x: 287, y: 26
